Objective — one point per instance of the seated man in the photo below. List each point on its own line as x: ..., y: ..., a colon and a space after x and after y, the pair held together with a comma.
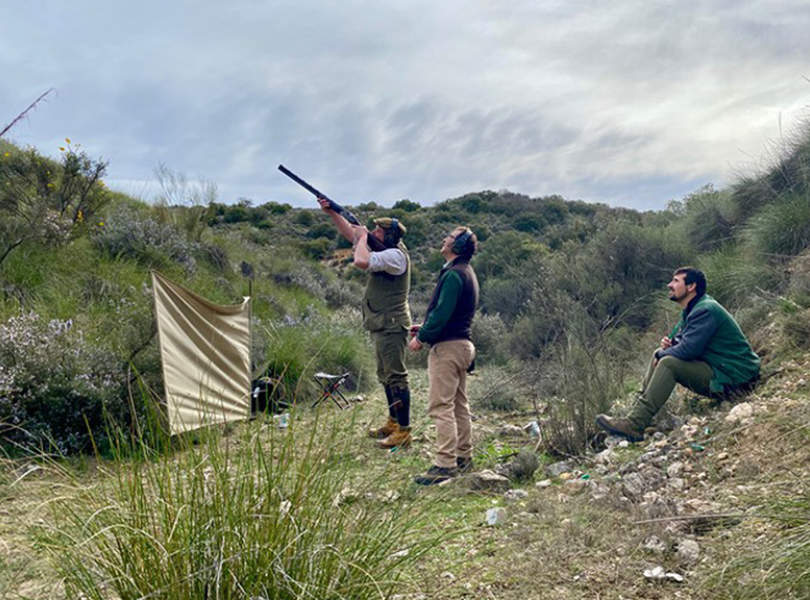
x: 705, y: 352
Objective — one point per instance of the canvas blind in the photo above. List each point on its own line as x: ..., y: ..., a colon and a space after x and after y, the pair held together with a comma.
x: 205, y: 351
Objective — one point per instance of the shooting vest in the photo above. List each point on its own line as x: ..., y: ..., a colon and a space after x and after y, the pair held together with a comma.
x: 385, y: 303
x: 458, y: 326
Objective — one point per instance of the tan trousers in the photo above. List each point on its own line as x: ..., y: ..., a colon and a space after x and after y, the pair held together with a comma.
x: 447, y: 404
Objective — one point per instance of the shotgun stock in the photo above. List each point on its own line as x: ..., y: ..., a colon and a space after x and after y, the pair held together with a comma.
x: 373, y: 243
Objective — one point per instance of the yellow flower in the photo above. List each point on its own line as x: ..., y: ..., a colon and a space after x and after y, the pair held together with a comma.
x: 101, y: 223
x: 80, y: 216
x: 67, y: 140
x: 61, y: 148
x: 7, y: 154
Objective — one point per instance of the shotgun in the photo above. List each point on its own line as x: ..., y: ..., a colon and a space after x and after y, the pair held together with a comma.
x: 373, y: 243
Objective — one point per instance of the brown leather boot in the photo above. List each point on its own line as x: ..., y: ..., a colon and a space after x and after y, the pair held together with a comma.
x: 622, y: 427
x: 383, y: 432
x: 401, y: 437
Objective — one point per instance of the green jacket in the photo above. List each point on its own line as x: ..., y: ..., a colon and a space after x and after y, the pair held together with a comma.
x: 709, y: 333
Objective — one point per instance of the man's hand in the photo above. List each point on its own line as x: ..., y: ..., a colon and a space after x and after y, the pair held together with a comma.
x: 359, y: 232
x: 415, y: 345
x: 325, y: 204
x: 666, y: 342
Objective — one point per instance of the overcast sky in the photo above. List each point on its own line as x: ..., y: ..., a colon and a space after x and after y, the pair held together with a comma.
x: 631, y: 103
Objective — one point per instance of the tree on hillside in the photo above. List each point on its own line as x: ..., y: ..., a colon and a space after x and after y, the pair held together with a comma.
x: 44, y: 201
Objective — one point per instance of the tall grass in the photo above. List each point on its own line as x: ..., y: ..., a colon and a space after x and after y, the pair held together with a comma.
x: 734, y: 275
x: 261, y: 513
x: 782, y: 229
x: 779, y: 568
x: 297, y: 348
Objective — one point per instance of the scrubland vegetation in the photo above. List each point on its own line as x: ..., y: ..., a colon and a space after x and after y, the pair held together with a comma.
x: 571, y: 303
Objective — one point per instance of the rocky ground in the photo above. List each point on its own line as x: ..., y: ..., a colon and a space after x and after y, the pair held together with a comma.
x: 664, y: 518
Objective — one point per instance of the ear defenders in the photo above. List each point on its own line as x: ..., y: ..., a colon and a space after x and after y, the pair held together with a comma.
x: 460, y: 243
x: 391, y: 234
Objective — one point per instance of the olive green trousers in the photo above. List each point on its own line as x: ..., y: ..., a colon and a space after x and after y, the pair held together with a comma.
x: 389, y: 348
x: 659, y: 381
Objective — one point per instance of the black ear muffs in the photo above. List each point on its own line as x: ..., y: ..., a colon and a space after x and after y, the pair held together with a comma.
x: 391, y: 235
x: 460, y: 243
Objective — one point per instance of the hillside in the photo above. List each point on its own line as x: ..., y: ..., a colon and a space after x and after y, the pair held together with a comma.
x: 572, y: 302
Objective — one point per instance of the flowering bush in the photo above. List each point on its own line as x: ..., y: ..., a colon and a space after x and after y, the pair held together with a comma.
x: 45, y: 201
x: 131, y: 234
x: 55, y: 388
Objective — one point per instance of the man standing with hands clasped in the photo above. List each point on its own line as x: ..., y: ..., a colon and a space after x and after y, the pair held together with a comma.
x: 447, y: 326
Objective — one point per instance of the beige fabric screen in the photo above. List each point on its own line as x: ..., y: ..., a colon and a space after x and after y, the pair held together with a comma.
x: 205, y: 350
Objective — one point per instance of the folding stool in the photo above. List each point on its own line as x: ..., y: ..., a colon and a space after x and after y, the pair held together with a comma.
x: 330, y: 389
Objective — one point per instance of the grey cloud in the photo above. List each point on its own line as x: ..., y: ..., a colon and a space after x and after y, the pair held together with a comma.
x: 613, y: 101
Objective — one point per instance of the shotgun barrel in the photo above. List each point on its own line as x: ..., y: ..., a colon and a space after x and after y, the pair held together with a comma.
x: 319, y: 194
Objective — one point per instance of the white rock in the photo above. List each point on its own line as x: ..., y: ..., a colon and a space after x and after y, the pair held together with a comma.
x: 675, y: 469
x: 633, y: 485
x: 742, y: 411
x: 688, y: 551
x: 543, y: 484
x: 677, y: 483
x: 515, y: 494
x: 605, y: 457
x: 655, y: 573
x: 513, y: 430
x: 575, y: 486
x: 674, y: 577
x: 486, y: 480
x: 496, y: 516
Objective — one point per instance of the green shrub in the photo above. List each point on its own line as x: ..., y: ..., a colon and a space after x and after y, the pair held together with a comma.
x: 782, y: 229
x: 407, y: 205
x: 507, y: 296
x: 708, y: 218
x: 796, y: 328
x: 733, y: 276
x: 47, y: 202
x: 799, y: 283
x: 582, y: 377
x: 489, y: 333
x: 322, y: 230
x: 55, y: 388
x: 296, y: 349
x: 316, y: 249
x: 304, y: 217
x: 130, y: 234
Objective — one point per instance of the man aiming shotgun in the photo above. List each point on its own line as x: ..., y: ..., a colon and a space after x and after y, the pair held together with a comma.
x: 386, y: 314
x: 346, y: 214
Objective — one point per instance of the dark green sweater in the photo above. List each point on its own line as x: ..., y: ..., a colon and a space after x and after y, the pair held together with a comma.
x: 709, y: 333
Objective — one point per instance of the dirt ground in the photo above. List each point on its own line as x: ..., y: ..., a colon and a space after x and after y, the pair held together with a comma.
x: 559, y: 540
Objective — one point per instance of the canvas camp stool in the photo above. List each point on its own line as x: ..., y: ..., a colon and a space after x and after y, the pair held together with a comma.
x: 330, y: 389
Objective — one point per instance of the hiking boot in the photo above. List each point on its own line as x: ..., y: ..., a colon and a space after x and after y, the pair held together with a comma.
x: 622, y: 427
x: 464, y: 464
x: 436, y: 475
x: 401, y: 437
x: 383, y: 432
